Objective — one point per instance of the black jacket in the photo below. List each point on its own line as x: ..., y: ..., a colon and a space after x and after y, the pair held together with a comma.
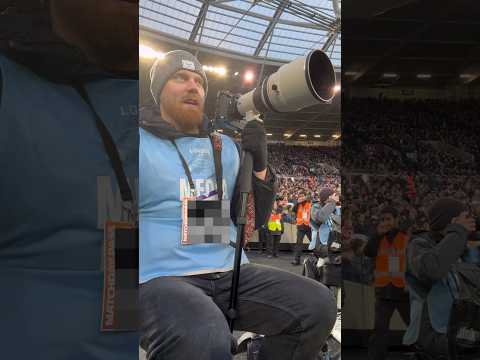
x: 430, y: 256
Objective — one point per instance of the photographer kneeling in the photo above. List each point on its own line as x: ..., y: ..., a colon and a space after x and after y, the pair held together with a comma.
x: 434, y: 267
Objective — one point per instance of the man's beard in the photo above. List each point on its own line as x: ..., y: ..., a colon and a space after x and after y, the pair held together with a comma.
x: 187, y: 119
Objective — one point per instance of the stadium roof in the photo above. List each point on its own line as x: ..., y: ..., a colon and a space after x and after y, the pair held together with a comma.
x: 424, y: 43
x: 254, y: 36
x: 275, y: 30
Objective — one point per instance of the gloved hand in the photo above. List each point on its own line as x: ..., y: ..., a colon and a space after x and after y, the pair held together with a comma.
x: 254, y: 140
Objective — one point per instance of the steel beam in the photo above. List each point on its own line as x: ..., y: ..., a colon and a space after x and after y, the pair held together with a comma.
x: 199, y: 22
x: 270, y: 28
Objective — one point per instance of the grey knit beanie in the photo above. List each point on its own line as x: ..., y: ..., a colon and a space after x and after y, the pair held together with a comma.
x: 443, y: 211
x: 173, y: 61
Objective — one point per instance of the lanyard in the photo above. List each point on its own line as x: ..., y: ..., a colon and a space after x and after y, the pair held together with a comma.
x: 218, y: 168
x: 114, y: 156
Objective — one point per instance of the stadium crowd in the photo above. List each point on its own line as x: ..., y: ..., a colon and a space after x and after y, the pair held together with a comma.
x: 302, y: 168
x: 419, y: 136
x: 366, y: 195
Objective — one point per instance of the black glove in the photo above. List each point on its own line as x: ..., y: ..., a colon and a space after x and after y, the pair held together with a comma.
x: 254, y: 140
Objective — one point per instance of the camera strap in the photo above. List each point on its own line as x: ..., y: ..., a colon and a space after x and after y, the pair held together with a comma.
x: 120, y: 245
x: 111, y: 150
x: 205, y: 221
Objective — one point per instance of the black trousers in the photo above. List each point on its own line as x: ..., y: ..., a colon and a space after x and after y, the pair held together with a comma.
x: 262, y: 238
x: 183, y: 318
x: 274, y: 241
x: 384, y: 309
x: 301, y: 233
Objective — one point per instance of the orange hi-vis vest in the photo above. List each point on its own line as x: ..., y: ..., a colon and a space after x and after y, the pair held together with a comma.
x: 303, y: 213
x: 390, y: 261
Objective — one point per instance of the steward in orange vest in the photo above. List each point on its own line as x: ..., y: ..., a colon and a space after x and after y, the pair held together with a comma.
x: 302, y: 210
x: 303, y: 213
x: 390, y: 261
x: 388, y: 250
